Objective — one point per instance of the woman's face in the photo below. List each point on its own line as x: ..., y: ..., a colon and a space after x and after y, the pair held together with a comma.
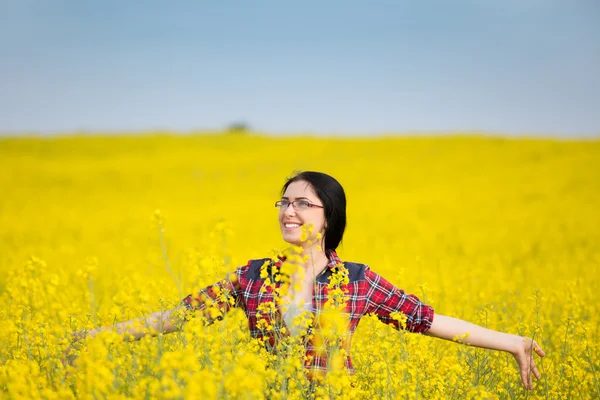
x: 293, y: 218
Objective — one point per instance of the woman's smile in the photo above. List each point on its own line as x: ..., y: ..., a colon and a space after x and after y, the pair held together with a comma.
x: 292, y: 225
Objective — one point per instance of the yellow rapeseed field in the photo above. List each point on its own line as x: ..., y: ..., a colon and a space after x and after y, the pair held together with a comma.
x: 504, y: 233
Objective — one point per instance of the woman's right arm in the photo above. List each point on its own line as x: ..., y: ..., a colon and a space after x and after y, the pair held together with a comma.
x: 213, y: 302
x: 158, y: 322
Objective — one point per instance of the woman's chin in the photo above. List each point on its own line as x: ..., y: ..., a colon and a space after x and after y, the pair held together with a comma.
x: 292, y: 240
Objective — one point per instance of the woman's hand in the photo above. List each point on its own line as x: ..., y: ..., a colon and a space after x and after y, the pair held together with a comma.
x: 523, y: 354
x: 521, y: 348
x: 70, y: 353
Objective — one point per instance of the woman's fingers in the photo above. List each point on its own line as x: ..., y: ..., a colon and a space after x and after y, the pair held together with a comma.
x: 529, y: 369
x: 536, y: 373
x: 538, y: 350
x: 540, y: 353
x: 525, y: 376
x: 529, y: 374
x: 525, y: 359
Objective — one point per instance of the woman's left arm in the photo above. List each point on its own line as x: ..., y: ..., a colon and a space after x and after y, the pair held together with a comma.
x: 521, y: 348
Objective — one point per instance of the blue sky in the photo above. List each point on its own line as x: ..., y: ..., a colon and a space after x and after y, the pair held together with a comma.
x: 334, y: 67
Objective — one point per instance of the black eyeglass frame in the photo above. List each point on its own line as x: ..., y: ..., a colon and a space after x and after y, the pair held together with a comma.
x: 279, y: 204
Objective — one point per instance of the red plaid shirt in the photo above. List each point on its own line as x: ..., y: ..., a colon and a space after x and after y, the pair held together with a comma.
x: 366, y: 293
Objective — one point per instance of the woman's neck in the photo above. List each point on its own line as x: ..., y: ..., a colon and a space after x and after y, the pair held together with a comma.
x: 316, y: 261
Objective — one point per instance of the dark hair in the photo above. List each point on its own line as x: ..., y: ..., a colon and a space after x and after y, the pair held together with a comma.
x: 332, y: 195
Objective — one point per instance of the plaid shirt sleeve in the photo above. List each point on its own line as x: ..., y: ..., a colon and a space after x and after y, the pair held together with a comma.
x: 215, y: 300
x: 383, y: 299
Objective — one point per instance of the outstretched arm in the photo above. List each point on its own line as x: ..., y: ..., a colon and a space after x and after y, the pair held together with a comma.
x: 213, y: 301
x: 521, y: 348
x: 158, y: 322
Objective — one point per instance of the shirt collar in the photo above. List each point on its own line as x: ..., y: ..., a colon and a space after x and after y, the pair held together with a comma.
x: 334, y: 260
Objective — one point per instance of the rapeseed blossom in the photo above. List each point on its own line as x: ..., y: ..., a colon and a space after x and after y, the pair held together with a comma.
x: 503, y: 233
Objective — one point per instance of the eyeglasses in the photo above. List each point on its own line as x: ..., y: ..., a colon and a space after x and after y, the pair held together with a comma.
x: 297, y: 204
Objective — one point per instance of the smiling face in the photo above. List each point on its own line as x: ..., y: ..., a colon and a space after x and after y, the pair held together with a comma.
x: 292, y: 220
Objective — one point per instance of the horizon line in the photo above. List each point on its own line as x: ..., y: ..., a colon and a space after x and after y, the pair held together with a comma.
x: 296, y: 133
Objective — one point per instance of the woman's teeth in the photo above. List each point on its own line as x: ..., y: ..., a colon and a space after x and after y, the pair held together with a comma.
x: 292, y: 225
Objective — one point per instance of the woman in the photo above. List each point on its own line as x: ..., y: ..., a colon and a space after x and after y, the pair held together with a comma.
x: 318, y: 201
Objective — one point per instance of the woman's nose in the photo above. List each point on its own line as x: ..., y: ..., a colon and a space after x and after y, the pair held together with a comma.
x: 289, y: 210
